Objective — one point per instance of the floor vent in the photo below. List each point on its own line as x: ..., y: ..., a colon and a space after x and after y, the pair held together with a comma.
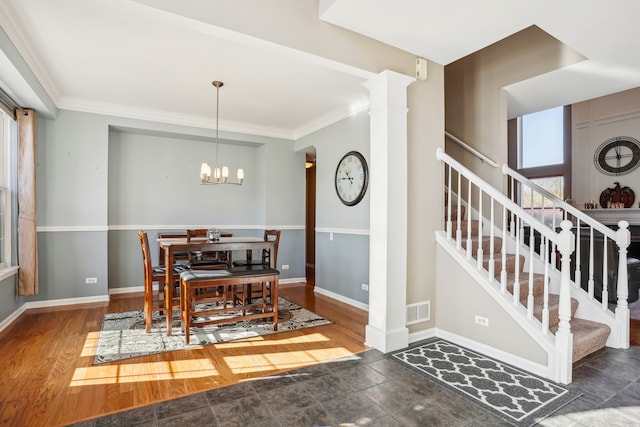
x: 418, y: 312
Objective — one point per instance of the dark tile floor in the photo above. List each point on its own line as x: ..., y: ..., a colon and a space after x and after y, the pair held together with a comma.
x: 372, y: 390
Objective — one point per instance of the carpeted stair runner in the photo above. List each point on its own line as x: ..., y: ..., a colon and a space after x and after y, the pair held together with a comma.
x: 588, y: 336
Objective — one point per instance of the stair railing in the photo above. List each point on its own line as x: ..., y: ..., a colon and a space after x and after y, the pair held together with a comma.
x: 590, y: 233
x: 507, y: 220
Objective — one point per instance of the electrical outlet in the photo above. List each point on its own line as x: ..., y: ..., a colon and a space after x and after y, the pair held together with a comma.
x: 365, y: 287
x: 480, y: 320
x: 285, y: 266
x: 90, y: 280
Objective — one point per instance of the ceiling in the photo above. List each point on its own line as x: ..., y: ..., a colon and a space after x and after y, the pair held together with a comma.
x: 134, y: 58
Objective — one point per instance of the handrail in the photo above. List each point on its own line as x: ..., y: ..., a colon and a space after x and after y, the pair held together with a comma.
x: 597, y: 225
x: 497, y: 195
x: 470, y: 149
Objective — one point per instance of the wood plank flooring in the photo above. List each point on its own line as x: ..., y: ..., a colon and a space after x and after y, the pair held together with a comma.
x: 48, y: 377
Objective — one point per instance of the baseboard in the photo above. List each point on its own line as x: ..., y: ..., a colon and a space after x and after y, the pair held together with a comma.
x: 511, y: 359
x: 12, y: 317
x: 352, y: 302
x: 129, y: 290
x: 66, y: 301
x: 422, y: 335
x: 292, y: 280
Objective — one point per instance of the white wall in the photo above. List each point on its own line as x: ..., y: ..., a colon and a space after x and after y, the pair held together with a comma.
x: 593, y: 122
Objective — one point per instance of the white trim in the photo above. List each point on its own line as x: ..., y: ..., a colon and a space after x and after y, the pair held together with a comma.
x: 352, y: 302
x: 353, y: 231
x: 65, y: 228
x: 85, y: 228
x: 422, y: 335
x: 292, y: 280
x: 66, y: 301
x: 502, y: 356
x: 128, y: 290
x: 12, y: 317
x: 7, y: 272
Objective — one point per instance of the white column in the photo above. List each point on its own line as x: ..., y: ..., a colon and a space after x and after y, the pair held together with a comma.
x: 386, y: 330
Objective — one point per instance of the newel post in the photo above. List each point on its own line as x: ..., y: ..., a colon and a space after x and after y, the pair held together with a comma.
x: 564, y: 337
x: 623, y: 238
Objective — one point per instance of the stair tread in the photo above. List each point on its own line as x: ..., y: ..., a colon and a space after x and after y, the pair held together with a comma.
x: 523, y: 279
x: 588, y: 336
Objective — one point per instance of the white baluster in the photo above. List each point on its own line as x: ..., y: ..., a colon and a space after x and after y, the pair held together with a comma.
x: 590, y: 282
x: 605, y: 275
x: 578, y: 273
x: 480, y: 213
x: 516, y: 280
x: 458, y: 225
x: 545, y: 295
x: 503, y: 271
x: 469, y: 240
x: 491, y: 266
x: 449, y: 201
x: 532, y: 243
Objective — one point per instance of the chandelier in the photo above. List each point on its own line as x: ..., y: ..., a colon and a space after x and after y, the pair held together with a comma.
x: 219, y: 176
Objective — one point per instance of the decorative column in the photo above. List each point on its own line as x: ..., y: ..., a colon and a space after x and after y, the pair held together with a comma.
x: 386, y: 330
x: 564, y: 337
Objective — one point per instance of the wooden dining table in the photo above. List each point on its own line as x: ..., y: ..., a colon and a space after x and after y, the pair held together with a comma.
x: 167, y: 247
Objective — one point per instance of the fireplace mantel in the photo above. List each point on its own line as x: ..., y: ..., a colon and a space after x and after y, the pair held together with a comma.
x: 613, y: 216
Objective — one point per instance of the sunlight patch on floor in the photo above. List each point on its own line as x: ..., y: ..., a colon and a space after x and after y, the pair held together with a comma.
x: 148, y: 371
x: 283, y: 360
x: 621, y: 416
x: 260, y: 341
x: 90, y: 344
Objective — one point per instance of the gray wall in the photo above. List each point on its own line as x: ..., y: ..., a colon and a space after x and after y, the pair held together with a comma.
x: 342, y: 264
x: 102, y: 178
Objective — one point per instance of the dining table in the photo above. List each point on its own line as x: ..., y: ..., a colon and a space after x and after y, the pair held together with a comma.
x: 167, y: 247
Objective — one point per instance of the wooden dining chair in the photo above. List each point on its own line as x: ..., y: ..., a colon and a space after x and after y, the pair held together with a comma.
x: 264, y: 262
x: 213, y: 260
x: 156, y: 274
x: 179, y: 257
x: 265, y: 259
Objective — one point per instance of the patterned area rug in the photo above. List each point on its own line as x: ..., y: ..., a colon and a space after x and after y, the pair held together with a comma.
x: 123, y: 335
x: 509, y: 393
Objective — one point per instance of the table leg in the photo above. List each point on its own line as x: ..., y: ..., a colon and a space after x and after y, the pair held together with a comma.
x: 168, y: 291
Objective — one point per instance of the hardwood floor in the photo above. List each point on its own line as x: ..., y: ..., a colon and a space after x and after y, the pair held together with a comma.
x: 48, y: 377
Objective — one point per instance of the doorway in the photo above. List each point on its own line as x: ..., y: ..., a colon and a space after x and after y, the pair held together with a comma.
x: 310, y: 219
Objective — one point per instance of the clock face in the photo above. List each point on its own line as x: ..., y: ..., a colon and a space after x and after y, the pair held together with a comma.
x: 617, y: 156
x: 352, y: 177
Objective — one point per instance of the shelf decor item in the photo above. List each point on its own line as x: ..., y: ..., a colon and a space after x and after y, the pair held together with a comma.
x: 617, y: 196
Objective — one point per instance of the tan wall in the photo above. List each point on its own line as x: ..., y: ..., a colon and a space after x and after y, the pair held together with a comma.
x: 425, y: 134
x: 460, y: 299
x: 475, y: 102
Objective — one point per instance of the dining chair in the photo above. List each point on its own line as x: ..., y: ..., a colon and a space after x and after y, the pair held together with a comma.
x: 157, y: 274
x: 208, y: 260
x: 264, y: 262
x: 180, y: 257
x: 265, y: 259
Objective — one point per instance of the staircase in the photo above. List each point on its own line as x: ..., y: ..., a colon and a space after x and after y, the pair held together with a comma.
x: 530, y: 263
x: 588, y: 336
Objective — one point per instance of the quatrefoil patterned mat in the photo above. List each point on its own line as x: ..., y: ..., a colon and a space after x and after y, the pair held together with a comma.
x: 514, y: 395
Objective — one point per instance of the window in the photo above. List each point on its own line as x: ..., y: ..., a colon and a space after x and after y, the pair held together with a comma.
x: 7, y: 127
x: 540, y: 149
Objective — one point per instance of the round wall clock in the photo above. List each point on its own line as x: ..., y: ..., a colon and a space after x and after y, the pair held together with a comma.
x: 352, y: 177
x: 617, y: 156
